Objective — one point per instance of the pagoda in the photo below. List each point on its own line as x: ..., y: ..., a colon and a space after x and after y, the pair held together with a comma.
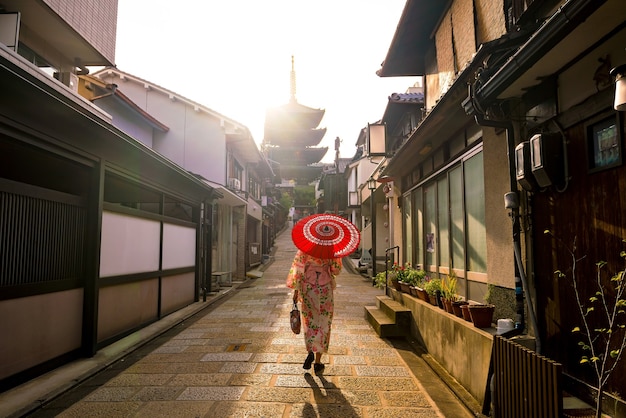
x: 291, y: 137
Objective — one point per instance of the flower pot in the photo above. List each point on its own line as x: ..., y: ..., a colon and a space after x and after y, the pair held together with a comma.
x: 456, y: 307
x: 432, y: 299
x: 422, y: 294
x: 396, y: 284
x: 466, y: 313
x: 439, y: 299
x: 447, y: 303
x: 405, y: 287
x: 413, y: 291
x: 482, y: 315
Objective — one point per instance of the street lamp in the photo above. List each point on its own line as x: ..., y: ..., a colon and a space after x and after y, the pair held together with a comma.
x: 371, y: 185
x: 619, y: 73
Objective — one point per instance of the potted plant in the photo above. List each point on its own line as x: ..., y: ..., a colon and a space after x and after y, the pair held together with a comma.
x: 415, y: 278
x: 432, y: 286
x: 482, y: 315
x: 380, y: 280
x: 449, y: 291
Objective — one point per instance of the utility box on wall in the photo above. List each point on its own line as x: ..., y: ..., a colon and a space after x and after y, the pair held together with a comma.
x: 547, y: 159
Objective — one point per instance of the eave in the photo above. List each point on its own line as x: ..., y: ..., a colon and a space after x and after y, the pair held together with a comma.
x: 407, y: 53
x: 574, y: 27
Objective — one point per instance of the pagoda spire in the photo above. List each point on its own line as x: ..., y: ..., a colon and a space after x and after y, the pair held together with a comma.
x: 292, y: 98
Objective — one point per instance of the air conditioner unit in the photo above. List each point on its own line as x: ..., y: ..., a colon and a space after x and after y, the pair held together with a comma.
x: 234, y: 183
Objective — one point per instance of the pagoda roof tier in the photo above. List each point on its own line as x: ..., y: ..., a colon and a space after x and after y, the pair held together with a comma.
x: 303, y: 174
x: 296, y: 156
x: 290, y: 137
x: 293, y: 115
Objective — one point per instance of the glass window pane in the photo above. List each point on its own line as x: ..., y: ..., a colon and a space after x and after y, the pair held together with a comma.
x: 457, y: 218
x: 408, y: 229
x: 442, y: 211
x: 430, y: 224
x: 419, y: 226
x: 475, y: 202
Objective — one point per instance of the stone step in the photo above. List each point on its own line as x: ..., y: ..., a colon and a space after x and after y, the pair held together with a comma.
x: 396, y: 311
x: 382, y: 324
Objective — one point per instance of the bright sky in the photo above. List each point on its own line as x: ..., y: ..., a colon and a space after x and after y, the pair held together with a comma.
x: 234, y: 57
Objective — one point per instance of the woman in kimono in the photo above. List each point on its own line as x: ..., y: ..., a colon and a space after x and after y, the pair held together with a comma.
x: 313, y: 281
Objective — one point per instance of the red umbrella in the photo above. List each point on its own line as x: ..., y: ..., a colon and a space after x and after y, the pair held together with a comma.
x: 325, y: 236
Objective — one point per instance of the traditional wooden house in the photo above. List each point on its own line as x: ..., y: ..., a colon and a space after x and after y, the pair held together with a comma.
x: 100, y: 236
x: 519, y: 136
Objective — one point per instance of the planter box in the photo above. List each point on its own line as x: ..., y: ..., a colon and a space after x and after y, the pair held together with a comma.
x: 405, y: 288
x: 459, y: 347
x: 422, y: 294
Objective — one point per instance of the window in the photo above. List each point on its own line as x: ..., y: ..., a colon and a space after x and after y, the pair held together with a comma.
x: 475, y: 212
x: 408, y: 229
x: 447, y: 226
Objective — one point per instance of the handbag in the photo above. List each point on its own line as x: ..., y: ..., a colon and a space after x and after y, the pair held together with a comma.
x: 295, y: 319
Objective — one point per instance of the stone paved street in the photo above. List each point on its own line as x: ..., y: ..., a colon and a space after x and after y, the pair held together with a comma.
x: 238, y: 358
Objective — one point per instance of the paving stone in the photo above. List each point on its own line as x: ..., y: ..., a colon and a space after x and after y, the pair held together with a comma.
x: 187, y: 342
x: 184, y: 357
x: 265, y: 357
x: 140, y: 379
x: 308, y: 410
x: 383, y: 383
x: 238, y: 367
x: 200, y: 379
x: 198, y: 367
x: 148, y: 368
x: 227, y: 357
x: 247, y: 410
x: 170, y: 349
x: 381, y: 371
x: 281, y: 368
x: 158, y: 393
x: 264, y: 329
x: 101, y: 410
x: 386, y: 361
x: 250, y: 380
x: 374, y: 352
x: 282, y: 395
x: 175, y: 409
x: 112, y: 394
x: 406, y: 399
x: 231, y: 393
x: 349, y: 360
x: 401, y: 413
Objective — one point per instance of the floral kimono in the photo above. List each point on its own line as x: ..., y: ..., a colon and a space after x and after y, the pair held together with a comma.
x: 316, y: 293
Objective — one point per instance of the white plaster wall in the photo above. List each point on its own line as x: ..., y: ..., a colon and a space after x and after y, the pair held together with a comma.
x: 128, y: 245
x: 179, y: 246
x: 132, y: 125
x: 196, y: 139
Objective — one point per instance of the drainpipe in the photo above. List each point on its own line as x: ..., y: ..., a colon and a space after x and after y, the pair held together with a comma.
x: 519, y: 268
